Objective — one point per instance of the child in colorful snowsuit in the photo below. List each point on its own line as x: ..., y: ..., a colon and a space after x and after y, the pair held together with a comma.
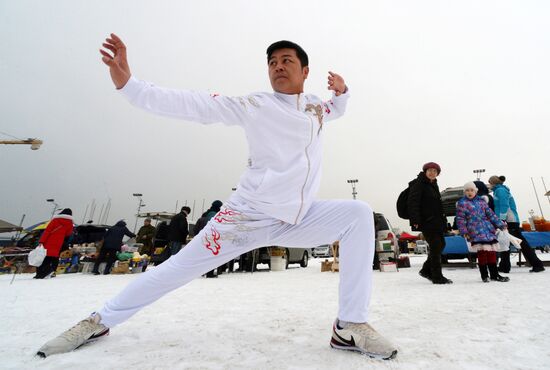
x: 478, y: 224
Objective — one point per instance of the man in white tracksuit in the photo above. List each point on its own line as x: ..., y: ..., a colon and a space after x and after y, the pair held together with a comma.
x: 274, y: 201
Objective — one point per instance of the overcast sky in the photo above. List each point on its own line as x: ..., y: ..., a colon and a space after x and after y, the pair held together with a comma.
x: 462, y: 83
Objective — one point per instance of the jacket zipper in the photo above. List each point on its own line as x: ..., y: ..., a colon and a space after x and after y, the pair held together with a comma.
x: 308, y: 165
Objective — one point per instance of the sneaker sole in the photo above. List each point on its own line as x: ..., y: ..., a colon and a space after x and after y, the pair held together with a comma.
x: 362, y: 351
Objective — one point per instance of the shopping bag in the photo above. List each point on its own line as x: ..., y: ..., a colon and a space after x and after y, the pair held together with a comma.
x: 471, y: 249
x: 503, y: 237
x: 37, y: 255
x: 515, y: 241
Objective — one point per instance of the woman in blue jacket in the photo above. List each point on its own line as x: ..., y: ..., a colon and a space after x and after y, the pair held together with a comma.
x: 506, y: 210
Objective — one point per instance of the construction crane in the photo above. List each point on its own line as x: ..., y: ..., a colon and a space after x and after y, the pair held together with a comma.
x: 34, y: 143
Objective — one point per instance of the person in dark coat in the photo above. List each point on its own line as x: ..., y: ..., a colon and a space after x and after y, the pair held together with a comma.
x: 506, y: 210
x: 426, y: 215
x: 201, y: 223
x: 179, y: 229
x: 53, y: 237
x: 112, y: 243
x: 145, y: 236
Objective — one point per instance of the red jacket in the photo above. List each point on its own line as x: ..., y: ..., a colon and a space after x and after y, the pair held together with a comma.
x: 60, y: 227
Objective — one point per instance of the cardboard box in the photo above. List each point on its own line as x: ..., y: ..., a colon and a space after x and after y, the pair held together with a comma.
x: 121, y: 268
x: 385, y: 256
x: 388, y: 266
x: 326, y: 265
x: 277, y: 252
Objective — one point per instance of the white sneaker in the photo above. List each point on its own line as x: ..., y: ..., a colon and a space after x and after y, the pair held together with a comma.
x: 361, y: 338
x: 85, y: 331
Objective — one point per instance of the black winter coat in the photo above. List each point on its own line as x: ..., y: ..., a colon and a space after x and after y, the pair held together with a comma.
x: 178, y: 228
x: 425, y: 206
x: 113, y: 236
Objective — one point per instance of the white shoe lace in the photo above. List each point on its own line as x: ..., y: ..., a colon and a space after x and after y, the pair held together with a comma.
x: 78, y: 332
x: 363, y: 329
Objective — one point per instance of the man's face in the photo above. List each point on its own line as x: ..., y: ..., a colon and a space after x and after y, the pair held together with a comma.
x: 286, y: 73
x: 146, y: 222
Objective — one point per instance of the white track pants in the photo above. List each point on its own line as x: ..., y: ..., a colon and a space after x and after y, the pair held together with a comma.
x: 237, y: 229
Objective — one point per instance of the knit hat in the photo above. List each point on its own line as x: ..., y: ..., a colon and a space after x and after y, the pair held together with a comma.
x: 495, y: 180
x: 431, y: 165
x: 470, y: 185
x: 66, y: 211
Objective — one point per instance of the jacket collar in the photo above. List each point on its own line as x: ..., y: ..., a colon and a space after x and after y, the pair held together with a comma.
x: 66, y: 217
x: 294, y: 100
x: 474, y: 199
x: 422, y: 177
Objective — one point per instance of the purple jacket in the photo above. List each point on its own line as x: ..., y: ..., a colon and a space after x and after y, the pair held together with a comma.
x: 475, y: 219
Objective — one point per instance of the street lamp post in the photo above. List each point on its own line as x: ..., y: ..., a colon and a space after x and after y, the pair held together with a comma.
x: 55, y: 205
x: 477, y: 172
x: 140, y: 204
x: 353, y: 191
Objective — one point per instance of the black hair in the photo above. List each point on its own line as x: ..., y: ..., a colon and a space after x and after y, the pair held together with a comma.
x: 284, y: 44
x: 502, y: 178
x: 186, y: 209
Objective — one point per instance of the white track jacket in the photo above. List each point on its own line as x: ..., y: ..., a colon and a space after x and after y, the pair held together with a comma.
x: 284, y: 134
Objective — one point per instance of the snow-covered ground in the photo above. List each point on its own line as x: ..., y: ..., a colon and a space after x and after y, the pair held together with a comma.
x: 282, y: 320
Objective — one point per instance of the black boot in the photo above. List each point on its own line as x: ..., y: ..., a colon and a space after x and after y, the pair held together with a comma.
x: 504, y: 265
x: 494, y: 274
x: 484, y: 273
x: 442, y: 280
x: 425, y: 275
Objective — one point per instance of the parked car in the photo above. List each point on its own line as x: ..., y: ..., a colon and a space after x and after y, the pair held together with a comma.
x: 30, y: 240
x: 383, y: 230
x: 449, y: 197
x: 262, y: 255
x: 322, y: 251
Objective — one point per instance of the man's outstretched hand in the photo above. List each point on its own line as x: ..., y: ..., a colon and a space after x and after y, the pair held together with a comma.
x: 336, y: 83
x: 117, y: 62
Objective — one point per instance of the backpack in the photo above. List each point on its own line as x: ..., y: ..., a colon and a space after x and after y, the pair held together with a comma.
x: 402, y: 204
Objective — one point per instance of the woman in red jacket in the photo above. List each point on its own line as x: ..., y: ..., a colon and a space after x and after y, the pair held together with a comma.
x: 60, y: 227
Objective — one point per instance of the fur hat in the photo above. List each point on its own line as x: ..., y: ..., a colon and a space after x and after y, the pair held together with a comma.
x: 470, y: 185
x: 431, y: 165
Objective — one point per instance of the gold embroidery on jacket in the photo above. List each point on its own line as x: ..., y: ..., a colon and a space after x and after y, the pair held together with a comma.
x: 253, y: 102
x: 318, y: 112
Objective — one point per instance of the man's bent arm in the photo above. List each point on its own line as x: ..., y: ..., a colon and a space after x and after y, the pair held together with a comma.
x: 335, y: 107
